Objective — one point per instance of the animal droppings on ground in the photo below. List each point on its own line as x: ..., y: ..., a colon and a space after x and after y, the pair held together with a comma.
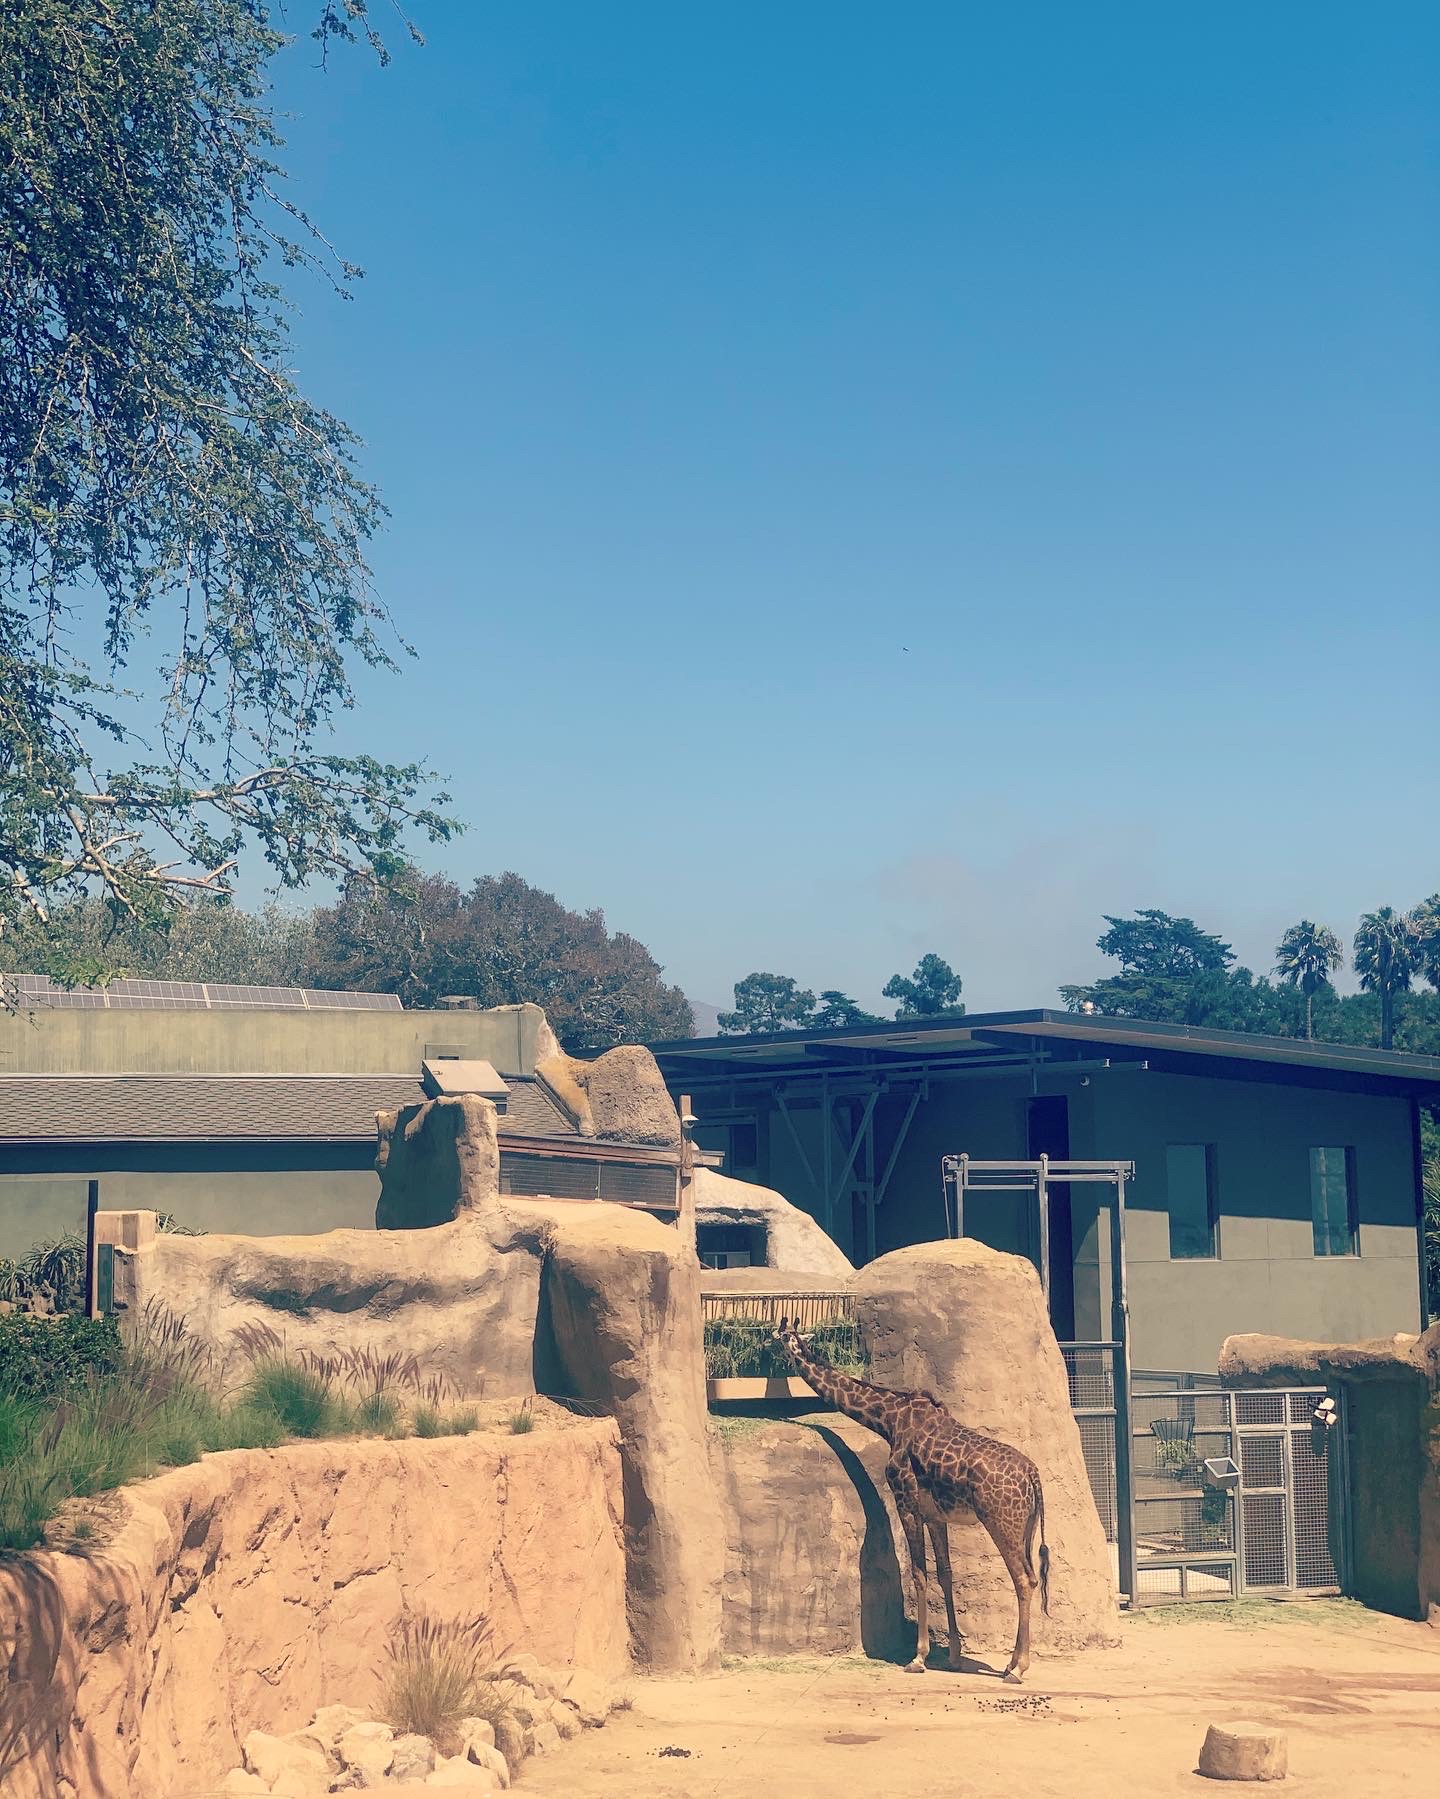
x: 1028, y: 1705
x: 670, y: 1749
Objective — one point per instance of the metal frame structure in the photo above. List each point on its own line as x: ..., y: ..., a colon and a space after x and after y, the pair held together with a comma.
x: 964, y: 1174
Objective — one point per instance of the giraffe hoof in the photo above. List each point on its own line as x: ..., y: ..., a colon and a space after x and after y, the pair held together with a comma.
x: 1014, y: 1676
x: 915, y: 1667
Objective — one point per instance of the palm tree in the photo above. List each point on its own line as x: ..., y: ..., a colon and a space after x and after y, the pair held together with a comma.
x: 1425, y: 923
x: 1306, y: 956
x: 1385, y: 962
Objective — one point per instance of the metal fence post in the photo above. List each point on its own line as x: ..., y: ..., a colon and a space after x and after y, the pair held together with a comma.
x: 1120, y: 1331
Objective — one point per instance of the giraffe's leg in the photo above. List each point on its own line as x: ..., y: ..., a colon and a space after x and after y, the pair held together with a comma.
x: 1014, y: 1555
x: 907, y: 1496
x: 940, y: 1537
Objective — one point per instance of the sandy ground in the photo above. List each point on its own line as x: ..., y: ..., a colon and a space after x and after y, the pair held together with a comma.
x: 1357, y: 1692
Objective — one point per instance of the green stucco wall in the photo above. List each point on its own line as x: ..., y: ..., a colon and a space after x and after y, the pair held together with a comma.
x: 1266, y: 1278
x: 264, y: 1191
x: 240, y: 1042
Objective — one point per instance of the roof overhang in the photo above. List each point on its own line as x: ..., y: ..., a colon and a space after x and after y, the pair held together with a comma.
x: 978, y: 1038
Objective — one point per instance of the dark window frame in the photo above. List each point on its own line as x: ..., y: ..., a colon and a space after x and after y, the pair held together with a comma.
x: 1212, y: 1201
x: 1352, y: 1202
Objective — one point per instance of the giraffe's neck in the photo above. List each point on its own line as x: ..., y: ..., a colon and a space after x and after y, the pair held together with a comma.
x: 853, y: 1397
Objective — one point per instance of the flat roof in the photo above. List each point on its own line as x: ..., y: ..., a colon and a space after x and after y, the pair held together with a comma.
x: 953, y: 1037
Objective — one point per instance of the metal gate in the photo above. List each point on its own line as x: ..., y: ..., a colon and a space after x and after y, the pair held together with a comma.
x: 1222, y: 1493
x: 1232, y: 1493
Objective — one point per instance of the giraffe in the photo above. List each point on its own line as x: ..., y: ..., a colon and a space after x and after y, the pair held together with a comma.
x: 938, y: 1468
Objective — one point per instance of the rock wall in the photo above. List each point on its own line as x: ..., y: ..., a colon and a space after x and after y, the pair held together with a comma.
x: 969, y: 1324
x: 248, y: 1590
x: 1392, y: 1416
x: 813, y: 1550
x: 794, y: 1242
x: 620, y: 1325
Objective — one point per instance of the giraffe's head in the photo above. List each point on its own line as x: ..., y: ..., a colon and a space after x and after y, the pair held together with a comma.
x: 787, y: 1335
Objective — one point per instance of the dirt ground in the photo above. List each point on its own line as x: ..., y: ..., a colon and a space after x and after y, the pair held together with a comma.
x: 1357, y: 1692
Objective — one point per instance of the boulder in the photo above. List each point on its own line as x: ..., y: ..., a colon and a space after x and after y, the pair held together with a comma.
x: 621, y: 1296
x: 477, y: 1730
x: 794, y: 1242
x: 510, y: 1741
x: 413, y: 1757
x: 564, y: 1717
x: 332, y: 1721
x: 276, y: 1758
x: 1244, y: 1752
x: 369, y: 1749
x: 486, y: 1755
x: 542, y: 1738
x: 589, y: 1695
x: 968, y: 1324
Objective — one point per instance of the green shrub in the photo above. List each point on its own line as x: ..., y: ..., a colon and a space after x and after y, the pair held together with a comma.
x: 300, y: 1397
x: 57, y: 1268
x: 435, y: 1673
x: 379, y: 1412
x: 461, y: 1423
x: 523, y: 1421
x: 42, y: 1358
x: 427, y: 1422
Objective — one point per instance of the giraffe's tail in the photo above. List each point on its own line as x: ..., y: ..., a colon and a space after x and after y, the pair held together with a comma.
x: 1038, y: 1517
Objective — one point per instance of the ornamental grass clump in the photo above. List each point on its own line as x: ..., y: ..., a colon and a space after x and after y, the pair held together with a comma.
x: 434, y: 1673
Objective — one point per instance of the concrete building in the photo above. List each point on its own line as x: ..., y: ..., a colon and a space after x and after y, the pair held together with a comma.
x: 253, y: 1109
x: 1277, y: 1183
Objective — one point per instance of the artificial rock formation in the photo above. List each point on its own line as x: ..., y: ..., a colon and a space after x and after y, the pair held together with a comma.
x: 794, y: 1242
x: 250, y: 1590
x: 620, y: 1097
x: 1391, y: 1387
x: 814, y: 1550
x: 968, y: 1324
x: 621, y: 1325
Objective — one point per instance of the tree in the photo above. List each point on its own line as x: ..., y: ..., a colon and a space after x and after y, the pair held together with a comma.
x: 1430, y: 1182
x: 1425, y: 924
x: 163, y: 479
x: 1305, y: 957
x: 837, y: 1010
x: 933, y: 989
x: 1170, y: 970
x: 207, y: 940
x: 500, y: 943
x: 768, y: 1002
x: 1385, y: 962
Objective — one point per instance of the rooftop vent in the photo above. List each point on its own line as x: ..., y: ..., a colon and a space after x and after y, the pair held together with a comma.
x: 450, y: 1077
x: 457, y: 1002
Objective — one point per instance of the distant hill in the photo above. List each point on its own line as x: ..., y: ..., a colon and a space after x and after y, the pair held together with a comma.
x: 707, y: 1018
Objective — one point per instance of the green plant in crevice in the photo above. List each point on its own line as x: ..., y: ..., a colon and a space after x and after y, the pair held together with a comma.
x: 523, y: 1421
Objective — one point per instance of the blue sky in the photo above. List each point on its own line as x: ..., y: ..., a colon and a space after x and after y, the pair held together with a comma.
x: 869, y: 480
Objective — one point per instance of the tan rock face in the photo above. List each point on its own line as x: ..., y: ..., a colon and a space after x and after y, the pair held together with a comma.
x: 436, y: 1160
x: 814, y: 1553
x: 795, y: 1243
x: 247, y: 1592
x: 619, y: 1097
x: 969, y: 1324
x: 621, y: 1303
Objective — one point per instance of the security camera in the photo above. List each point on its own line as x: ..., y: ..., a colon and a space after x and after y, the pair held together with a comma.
x: 688, y: 1121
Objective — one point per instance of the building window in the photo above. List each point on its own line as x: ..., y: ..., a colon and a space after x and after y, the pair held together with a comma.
x: 737, y: 1139
x: 1332, y: 1202
x: 1190, y: 1197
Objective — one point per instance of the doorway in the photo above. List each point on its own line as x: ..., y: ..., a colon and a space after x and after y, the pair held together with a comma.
x: 1047, y: 1125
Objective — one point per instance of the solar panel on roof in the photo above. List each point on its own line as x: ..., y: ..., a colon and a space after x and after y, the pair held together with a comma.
x: 178, y: 996
x: 321, y: 999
